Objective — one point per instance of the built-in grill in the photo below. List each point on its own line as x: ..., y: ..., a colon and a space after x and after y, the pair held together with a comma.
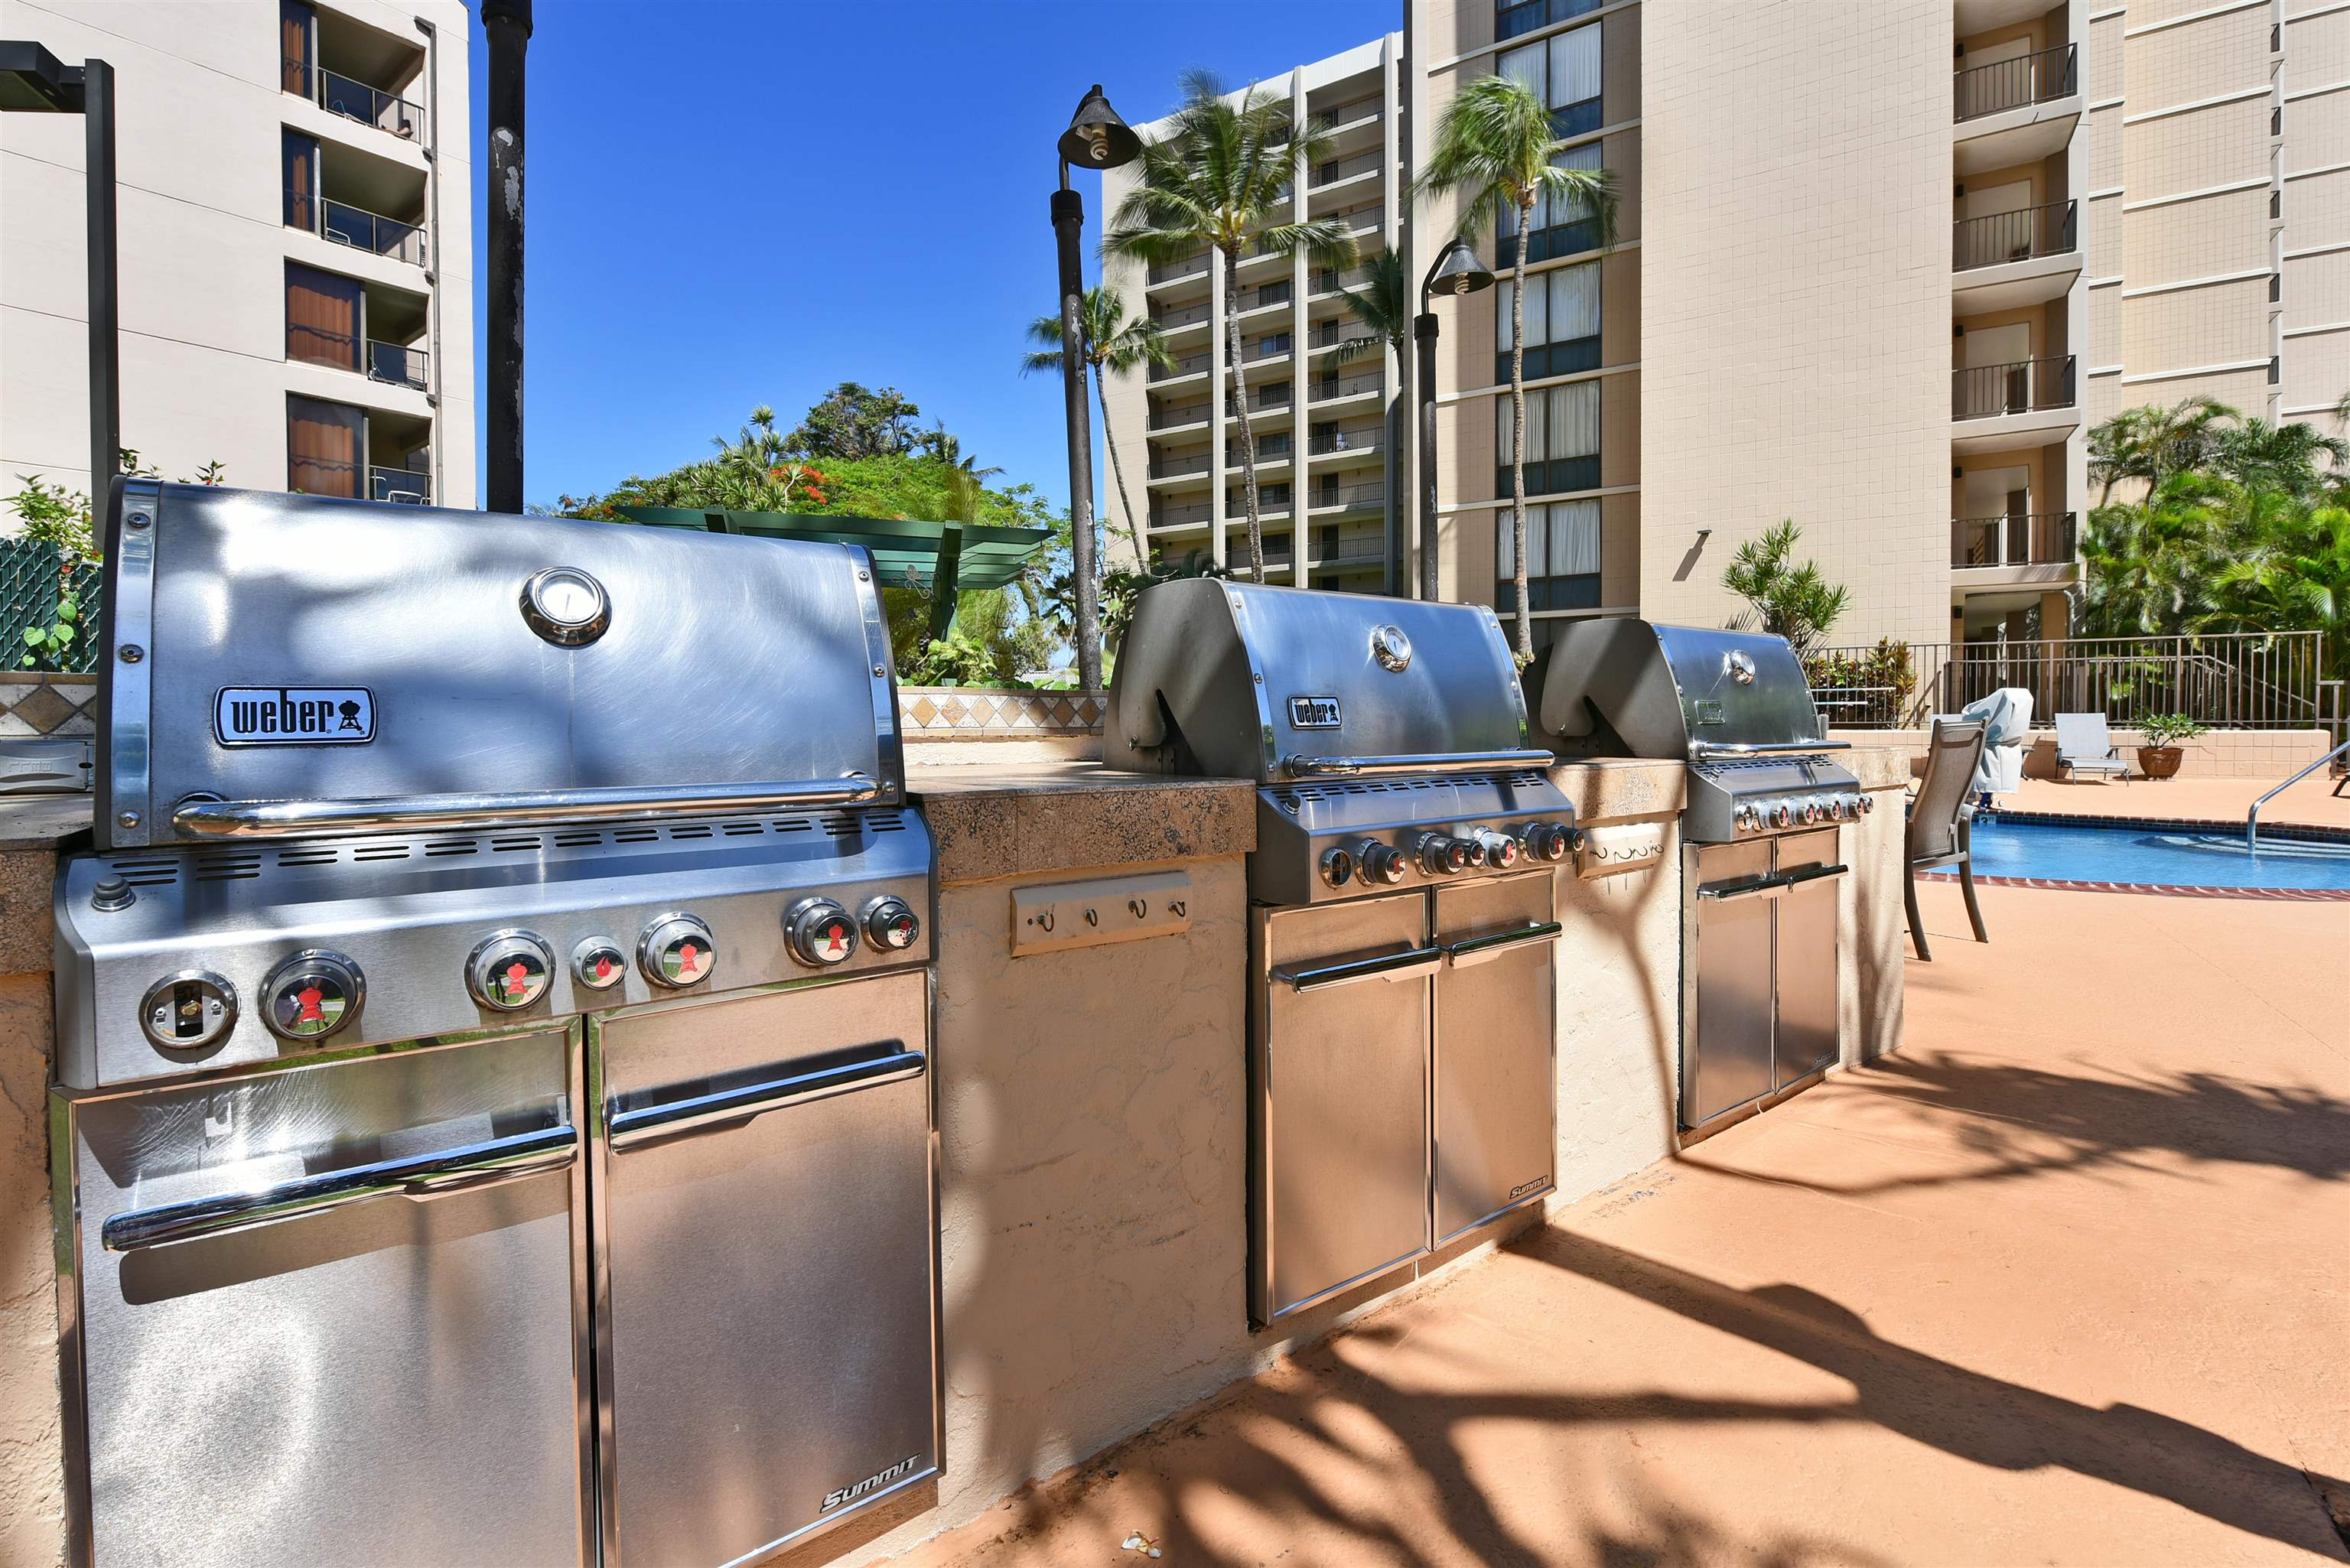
x: 493, y: 1120
x: 1760, y: 835
x: 1402, y: 921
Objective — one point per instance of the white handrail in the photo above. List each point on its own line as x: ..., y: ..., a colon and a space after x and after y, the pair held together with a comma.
x: 2253, y: 818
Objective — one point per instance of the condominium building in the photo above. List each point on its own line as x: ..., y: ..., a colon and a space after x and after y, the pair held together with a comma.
x: 2217, y: 212
x: 1320, y: 424
x: 295, y: 247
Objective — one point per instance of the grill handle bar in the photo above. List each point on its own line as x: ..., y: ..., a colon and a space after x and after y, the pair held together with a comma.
x: 1480, y: 949
x: 1299, y: 766
x: 629, y: 1129
x: 1769, y: 887
x: 1413, y: 964
x: 1700, y: 750
x: 465, y: 1169
x: 285, y: 818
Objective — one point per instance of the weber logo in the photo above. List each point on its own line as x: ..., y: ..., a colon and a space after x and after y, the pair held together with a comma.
x: 1708, y: 712
x: 904, y: 1468
x: 1313, y: 712
x: 293, y: 716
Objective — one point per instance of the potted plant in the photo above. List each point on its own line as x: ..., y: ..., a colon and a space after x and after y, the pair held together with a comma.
x: 2159, y: 757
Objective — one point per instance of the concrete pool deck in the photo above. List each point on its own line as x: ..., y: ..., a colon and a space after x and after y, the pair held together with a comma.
x: 2061, y: 1283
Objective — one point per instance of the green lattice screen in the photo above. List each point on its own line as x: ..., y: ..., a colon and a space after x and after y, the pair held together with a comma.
x: 29, y: 596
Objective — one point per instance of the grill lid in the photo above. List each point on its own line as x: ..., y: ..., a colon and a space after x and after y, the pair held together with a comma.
x: 308, y: 666
x: 1243, y: 681
x: 1635, y: 687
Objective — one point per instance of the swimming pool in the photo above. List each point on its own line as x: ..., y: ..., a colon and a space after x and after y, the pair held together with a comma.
x: 2149, y: 853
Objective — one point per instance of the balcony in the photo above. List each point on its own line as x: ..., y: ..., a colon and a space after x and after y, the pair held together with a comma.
x: 356, y: 226
x: 356, y: 100
x: 1366, y: 439
x: 1339, y: 169
x: 2005, y: 261
x: 1179, y: 467
x: 2015, y: 111
x: 1260, y: 398
x: 1182, y: 315
x: 1187, y: 364
x: 1353, y: 112
x: 400, y: 485
x: 397, y: 365
x: 1992, y: 406
x: 1172, y: 418
x: 1330, y: 280
x: 1179, y: 517
x: 1331, y: 389
x: 2037, y: 539
x: 1348, y: 497
x: 1259, y: 298
x: 1175, y: 271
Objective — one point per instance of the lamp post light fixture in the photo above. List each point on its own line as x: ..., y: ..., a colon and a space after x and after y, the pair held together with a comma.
x: 1456, y: 272
x: 33, y: 81
x: 1097, y: 139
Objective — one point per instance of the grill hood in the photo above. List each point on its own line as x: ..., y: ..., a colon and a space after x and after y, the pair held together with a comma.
x: 1637, y: 689
x: 1241, y: 680
x: 424, y: 684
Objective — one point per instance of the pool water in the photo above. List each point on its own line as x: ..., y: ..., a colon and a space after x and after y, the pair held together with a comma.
x: 2168, y: 855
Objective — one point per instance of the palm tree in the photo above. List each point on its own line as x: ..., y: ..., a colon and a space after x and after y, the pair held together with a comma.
x: 1112, y: 346
x: 1492, y: 142
x: 2262, y: 456
x: 2144, y: 566
x: 1382, y: 309
x: 1214, y: 181
x: 2153, y: 443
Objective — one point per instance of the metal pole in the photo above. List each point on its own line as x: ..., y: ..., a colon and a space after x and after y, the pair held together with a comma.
x: 1423, y: 337
x: 1068, y: 226
x: 507, y: 23
x: 104, y: 311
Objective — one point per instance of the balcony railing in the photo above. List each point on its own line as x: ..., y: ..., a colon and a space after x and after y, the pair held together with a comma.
x: 1258, y: 298
x: 400, y: 485
x: 1330, y: 280
x: 1272, y: 348
x: 1187, y: 365
x: 1350, y: 111
x: 1183, y: 315
x: 1330, y: 387
x: 1168, y: 418
x: 1349, y: 495
x: 2036, y: 539
x: 1173, y: 270
x: 1987, y: 391
x: 1997, y: 238
x: 1370, y: 438
x: 400, y: 366
x: 1177, y: 467
x: 1262, y: 397
x: 1339, y: 169
x: 356, y: 226
x: 1176, y: 517
x: 2011, y: 84
x: 1270, y: 449
x: 339, y: 94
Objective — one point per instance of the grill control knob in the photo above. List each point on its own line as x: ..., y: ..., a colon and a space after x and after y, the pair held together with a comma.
x: 1834, y: 808
x: 188, y: 1011
x: 1337, y: 867
x: 891, y: 924
x: 509, y: 971
x: 1474, y: 849
x: 311, y: 995
x: 598, y: 963
x: 1379, y: 863
x: 1501, y: 851
x: 676, y: 951
x: 1867, y: 803
x: 1781, y: 816
x: 1439, y: 855
x: 1549, y: 840
x: 820, y: 932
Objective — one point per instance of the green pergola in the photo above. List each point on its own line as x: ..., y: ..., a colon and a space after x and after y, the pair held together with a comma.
x: 937, y: 558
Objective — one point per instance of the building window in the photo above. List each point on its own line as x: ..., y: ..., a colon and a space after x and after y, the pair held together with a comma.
x: 1514, y: 18
x: 1561, y: 228
x: 1561, y: 557
x: 1267, y: 497
x: 325, y: 448
x: 324, y: 321
x: 1561, y: 323
x: 1562, y: 70
x: 296, y: 27
x: 301, y: 182
x: 1561, y: 440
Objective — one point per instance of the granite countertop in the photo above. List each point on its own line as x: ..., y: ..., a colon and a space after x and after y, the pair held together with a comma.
x: 1005, y: 819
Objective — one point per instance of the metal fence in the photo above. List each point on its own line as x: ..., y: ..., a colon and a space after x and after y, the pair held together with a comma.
x: 2013, y: 83
x: 2231, y: 681
x: 1997, y: 238
x: 28, y: 599
x: 1986, y: 391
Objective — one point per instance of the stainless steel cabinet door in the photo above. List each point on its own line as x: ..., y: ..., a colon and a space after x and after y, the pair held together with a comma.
x: 1806, y: 959
x: 1339, y: 1075
x: 1726, y: 1027
x: 284, y: 1358
x: 1496, y: 1091
x: 766, y: 1320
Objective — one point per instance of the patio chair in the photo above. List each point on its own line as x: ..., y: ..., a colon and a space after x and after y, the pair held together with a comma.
x: 1941, y: 827
x: 2083, y: 745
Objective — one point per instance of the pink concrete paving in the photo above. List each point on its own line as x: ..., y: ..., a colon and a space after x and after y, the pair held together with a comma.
x: 2061, y: 1283
x: 2310, y: 803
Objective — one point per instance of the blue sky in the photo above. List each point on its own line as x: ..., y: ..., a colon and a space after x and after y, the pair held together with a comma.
x: 736, y: 202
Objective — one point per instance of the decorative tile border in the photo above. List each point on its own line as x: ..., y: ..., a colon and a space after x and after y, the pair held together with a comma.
x: 971, y: 713
x: 2165, y: 889
x: 33, y: 705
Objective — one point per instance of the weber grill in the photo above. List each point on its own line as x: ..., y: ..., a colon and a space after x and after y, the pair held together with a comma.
x: 1760, y: 833
x: 493, y: 1119
x: 1402, y: 921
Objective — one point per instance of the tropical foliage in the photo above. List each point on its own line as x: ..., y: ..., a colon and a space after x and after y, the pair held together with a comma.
x: 1493, y: 146
x: 2228, y: 524
x: 1111, y: 346
x: 1216, y: 182
x: 1786, y: 600
x: 52, y: 514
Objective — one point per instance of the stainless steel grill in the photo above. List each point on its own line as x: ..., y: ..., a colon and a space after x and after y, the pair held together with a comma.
x: 494, y: 1030
x: 1403, y: 919
x: 1761, y: 844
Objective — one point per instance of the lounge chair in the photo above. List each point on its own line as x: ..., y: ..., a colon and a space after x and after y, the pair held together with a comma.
x: 2083, y: 745
x: 1940, y: 829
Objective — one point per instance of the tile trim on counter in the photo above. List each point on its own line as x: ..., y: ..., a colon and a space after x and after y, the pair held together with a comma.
x: 32, y: 705
x: 978, y: 713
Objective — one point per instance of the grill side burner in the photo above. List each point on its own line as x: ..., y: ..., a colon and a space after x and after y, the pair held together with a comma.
x: 1402, y: 929
x: 494, y: 1032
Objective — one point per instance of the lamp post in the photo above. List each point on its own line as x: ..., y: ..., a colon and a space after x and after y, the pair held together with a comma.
x: 32, y: 80
x: 508, y: 24
x: 1456, y: 272
x: 1097, y: 139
